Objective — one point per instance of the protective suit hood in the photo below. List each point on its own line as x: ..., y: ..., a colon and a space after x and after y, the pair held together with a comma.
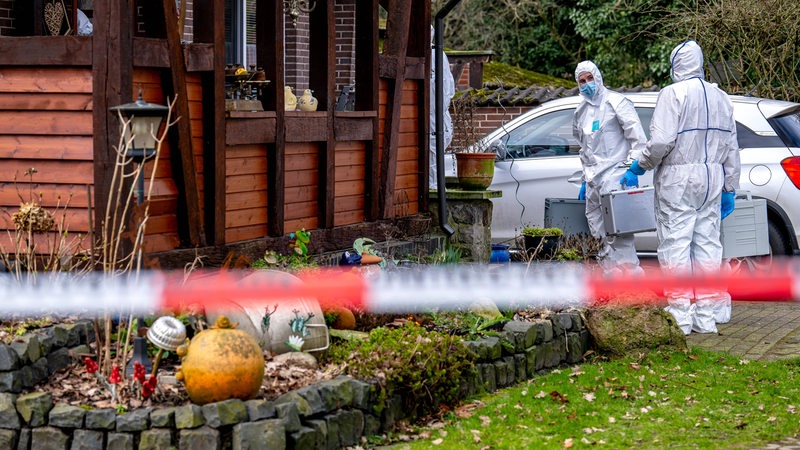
x: 588, y: 66
x: 686, y: 61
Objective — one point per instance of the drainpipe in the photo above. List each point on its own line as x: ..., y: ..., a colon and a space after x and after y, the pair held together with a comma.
x: 439, y: 111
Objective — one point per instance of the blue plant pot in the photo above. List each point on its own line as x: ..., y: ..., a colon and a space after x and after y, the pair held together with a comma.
x: 500, y: 254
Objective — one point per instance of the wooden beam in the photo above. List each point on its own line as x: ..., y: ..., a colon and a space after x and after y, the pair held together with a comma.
x: 323, y: 52
x: 151, y: 52
x: 183, y: 163
x: 270, y: 45
x: 395, y: 46
x: 421, y: 23
x: 46, y: 51
x: 209, y: 30
x: 248, y: 131
x: 112, y: 75
x: 367, y: 95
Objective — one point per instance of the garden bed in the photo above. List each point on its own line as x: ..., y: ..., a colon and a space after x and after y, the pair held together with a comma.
x: 295, y: 409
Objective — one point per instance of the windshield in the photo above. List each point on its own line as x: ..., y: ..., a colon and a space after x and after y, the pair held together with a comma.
x: 788, y: 128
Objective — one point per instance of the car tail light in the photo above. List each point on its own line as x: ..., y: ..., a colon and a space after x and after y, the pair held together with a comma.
x: 792, y: 168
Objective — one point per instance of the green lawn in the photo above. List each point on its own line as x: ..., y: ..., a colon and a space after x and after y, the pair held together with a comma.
x: 659, y: 400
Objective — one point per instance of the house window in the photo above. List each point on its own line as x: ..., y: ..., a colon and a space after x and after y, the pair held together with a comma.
x: 240, y: 32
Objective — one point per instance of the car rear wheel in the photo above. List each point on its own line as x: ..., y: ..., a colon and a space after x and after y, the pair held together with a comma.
x: 778, y: 244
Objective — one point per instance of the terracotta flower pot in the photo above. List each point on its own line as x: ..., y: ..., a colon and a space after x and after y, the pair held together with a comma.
x: 475, y: 170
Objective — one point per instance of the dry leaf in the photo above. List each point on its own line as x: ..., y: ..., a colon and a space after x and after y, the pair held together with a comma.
x: 568, y: 443
x: 475, y: 435
x: 437, y: 441
x: 588, y: 397
x: 557, y: 396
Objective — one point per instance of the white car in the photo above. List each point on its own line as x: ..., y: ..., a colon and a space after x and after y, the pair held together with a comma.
x: 537, y: 158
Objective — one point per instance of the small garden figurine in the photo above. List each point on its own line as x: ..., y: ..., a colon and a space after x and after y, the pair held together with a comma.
x: 300, y: 330
x: 113, y: 379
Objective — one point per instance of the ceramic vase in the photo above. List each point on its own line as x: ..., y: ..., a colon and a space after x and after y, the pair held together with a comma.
x: 307, y: 102
x: 289, y: 99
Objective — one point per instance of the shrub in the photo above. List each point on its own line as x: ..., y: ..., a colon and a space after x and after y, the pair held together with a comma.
x: 424, y: 368
x: 534, y: 231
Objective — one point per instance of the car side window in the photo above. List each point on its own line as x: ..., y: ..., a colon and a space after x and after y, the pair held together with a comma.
x: 546, y: 135
x: 645, y: 116
x: 749, y: 139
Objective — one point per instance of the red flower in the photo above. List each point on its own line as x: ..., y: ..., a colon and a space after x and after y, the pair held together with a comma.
x: 91, y: 366
x: 138, y: 372
x: 115, y: 376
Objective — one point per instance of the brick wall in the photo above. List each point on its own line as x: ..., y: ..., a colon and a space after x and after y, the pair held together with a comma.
x: 492, y: 117
x: 345, y: 43
x: 6, y: 20
x: 188, y: 23
x: 462, y: 82
x: 297, y: 53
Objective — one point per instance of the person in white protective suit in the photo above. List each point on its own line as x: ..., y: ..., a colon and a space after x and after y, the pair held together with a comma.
x: 609, y: 131
x: 449, y: 90
x: 694, y: 153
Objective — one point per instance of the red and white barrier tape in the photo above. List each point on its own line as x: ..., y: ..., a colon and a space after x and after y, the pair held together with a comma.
x: 552, y: 286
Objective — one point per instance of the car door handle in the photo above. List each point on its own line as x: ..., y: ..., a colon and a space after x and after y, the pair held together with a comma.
x: 576, y: 177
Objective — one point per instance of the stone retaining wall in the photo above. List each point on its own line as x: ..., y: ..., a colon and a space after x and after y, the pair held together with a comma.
x: 328, y: 415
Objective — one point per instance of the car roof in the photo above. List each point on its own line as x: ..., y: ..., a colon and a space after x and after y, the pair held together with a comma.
x: 742, y: 109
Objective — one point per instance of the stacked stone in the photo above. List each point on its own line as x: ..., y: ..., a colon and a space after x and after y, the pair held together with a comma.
x: 524, y: 349
x: 33, y: 357
x: 331, y: 414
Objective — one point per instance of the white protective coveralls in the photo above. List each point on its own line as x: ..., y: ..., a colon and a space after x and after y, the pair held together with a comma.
x: 609, y: 131
x: 449, y: 90
x: 694, y: 152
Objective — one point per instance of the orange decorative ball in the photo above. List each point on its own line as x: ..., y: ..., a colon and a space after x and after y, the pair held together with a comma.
x: 345, y: 320
x: 221, y: 363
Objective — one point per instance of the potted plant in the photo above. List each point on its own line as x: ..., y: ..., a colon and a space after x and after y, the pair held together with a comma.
x: 541, y: 243
x: 474, y: 161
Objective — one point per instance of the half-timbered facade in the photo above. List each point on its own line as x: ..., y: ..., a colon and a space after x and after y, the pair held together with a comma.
x: 228, y: 179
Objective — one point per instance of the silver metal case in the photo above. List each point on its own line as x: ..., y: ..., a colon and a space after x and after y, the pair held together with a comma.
x: 629, y: 211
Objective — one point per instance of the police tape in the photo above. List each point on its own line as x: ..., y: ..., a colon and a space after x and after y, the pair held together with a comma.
x: 544, y: 285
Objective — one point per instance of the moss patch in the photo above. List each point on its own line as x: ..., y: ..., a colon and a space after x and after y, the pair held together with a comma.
x: 496, y: 73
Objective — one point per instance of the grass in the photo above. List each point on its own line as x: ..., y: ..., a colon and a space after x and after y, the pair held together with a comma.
x: 698, y: 399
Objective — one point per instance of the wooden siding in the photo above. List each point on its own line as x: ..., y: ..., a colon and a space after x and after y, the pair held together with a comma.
x: 406, y: 192
x: 163, y: 227
x: 164, y: 237
x: 46, y: 124
x: 245, y: 192
x: 350, y: 170
x: 302, y: 175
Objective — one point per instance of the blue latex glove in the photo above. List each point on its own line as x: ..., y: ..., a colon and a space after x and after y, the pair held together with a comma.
x: 582, y: 193
x: 727, y: 203
x: 629, y: 179
x: 635, y: 168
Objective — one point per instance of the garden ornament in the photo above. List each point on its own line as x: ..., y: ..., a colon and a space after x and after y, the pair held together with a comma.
x: 166, y: 333
x: 221, y: 363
